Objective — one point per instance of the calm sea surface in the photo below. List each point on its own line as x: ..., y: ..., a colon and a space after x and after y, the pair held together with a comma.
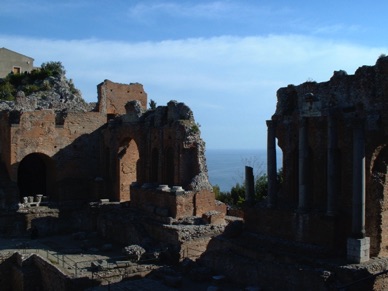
x: 227, y: 167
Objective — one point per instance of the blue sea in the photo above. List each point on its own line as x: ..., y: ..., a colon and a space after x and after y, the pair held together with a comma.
x: 227, y: 167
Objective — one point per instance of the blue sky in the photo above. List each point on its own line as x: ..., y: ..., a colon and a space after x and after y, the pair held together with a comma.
x: 224, y: 59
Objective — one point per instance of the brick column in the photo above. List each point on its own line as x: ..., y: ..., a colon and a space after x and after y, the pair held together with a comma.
x: 271, y: 164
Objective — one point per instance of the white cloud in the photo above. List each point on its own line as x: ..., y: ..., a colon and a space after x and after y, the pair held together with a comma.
x: 214, y: 10
x: 175, y: 9
x: 229, y: 82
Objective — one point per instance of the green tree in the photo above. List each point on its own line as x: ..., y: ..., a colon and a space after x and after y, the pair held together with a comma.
x: 53, y: 69
x: 238, y: 194
x: 261, y: 187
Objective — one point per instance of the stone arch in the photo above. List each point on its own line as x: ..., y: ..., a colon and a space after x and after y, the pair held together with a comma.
x: 168, y: 167
x: 36, y: 175
x: 377, y: 202
x: 128, y: 157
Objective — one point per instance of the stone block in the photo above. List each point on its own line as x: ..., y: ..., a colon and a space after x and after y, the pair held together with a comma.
x: 214, y: 217
x: 358, y: 250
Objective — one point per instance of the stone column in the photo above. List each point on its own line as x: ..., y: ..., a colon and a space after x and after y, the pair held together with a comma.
x: 332, y: 165
x: 249, y: 184
x: 358, y: 246
x: 303, y: 164
x: 358, y: 198
x: 271, y: 164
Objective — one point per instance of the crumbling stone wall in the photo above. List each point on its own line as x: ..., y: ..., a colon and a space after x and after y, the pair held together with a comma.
x: 70, y: 150
x: 165, y: 148
x: 32, y: 272
x: 325, y: 131
x: 112, y: 97
x: 177, y: 204
x: 70, y: 154
x: 51, y: 277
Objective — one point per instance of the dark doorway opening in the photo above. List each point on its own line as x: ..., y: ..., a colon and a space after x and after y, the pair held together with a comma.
x: 169, y: 167
x: 32, y: 175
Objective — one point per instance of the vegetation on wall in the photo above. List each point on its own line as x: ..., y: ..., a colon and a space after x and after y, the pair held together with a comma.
x: 152, y: 104
x: 39, y: 79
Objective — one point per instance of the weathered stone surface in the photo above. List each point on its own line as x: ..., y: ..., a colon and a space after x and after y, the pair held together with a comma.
x: 133, y: 252
x: 214, y: 217
x: 24, y: 103
x: 112, y: 97
x: 133, y: 111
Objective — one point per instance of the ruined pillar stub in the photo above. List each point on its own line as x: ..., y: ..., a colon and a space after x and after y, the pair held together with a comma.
x: 271, y: 164
x: 249, y: 184
x: 303, y: 165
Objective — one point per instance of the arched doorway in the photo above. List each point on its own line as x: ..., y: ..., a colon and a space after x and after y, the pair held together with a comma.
x: 128, y: 159
x: 35, y: 175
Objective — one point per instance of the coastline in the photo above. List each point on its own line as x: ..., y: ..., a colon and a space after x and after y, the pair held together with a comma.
x: 226, y: 167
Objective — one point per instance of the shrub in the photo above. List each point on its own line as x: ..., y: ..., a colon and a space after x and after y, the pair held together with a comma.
x: 261, y: 187
x: 7, y: 91
x: 53, y: 69
x: 236, y: 196
x: 224, y: 197
x: 31, y: 89
x: 72, y: 88
x: 195, y: 128
x: 33, y: 81
x: 152, y: 104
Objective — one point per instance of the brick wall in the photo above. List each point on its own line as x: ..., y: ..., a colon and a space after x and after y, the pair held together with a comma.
x: 112, y: 97
x: 70, y: 151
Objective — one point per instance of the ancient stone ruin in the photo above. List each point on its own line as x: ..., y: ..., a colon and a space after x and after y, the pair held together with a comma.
x: 120, y: 151
x: 333, y: 138
x: 324, y: 227
x: 138, y: 177
x: 132, y: 175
